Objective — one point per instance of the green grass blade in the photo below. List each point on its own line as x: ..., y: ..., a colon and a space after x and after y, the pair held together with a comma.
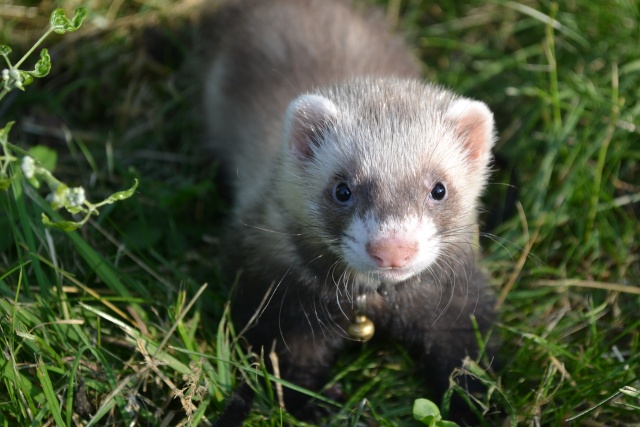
x: 47, y: 388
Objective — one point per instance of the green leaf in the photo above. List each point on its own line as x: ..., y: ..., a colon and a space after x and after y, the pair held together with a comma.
x: 4, y: 132
x: 27, y: 78
x: 4, y: 50
x: 61, y: 24
x: 76, y: 209
x: 426, y: 412
x: 61, y: 225
x: 47, y: 157
x: 122, y: 195
x: 5, y: 183
x: 43, y: 66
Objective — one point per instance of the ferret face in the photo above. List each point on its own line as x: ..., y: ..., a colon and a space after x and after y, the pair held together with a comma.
x: 389, y: 182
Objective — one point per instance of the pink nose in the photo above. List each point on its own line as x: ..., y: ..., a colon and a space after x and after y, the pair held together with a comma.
x: 392, y: 252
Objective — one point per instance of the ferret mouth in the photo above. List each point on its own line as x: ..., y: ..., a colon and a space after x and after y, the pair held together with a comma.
x: 395, y: 275
x: 390, y: 275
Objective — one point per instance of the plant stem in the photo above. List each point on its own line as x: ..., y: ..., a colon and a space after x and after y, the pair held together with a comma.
x: 5, y: 91
x: 17, y: 149
x: 40, y: 40
x: 6, y: 58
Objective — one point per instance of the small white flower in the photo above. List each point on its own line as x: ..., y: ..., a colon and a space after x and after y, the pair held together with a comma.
x: 58, y: 197
x: 76, y: 197
x: 12, y: 77
x: 28, y: 167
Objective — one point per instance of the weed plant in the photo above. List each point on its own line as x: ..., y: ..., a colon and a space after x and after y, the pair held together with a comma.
x: 125, y: 322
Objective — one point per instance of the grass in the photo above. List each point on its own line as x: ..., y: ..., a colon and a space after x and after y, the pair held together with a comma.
x: 110, y: 325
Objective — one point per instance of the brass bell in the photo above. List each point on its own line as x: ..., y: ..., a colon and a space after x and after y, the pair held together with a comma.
x: 362, y: 330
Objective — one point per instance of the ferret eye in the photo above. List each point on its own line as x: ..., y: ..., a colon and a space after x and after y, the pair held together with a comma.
x: 343, y: 193
x: 438, y: 192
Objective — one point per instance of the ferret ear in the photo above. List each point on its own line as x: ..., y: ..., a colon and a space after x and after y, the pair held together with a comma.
x: 307, y: 117
x: 475, y: 125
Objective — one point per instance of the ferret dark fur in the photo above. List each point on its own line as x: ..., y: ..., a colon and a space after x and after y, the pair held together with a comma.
x: 351, y: 177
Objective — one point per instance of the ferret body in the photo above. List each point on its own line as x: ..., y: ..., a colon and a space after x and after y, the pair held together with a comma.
x: 355, y: 185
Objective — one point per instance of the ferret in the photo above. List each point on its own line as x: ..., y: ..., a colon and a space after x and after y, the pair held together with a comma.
x: 355, y: 189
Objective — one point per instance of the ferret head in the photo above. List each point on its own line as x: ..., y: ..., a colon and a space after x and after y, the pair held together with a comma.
x: 385, y: 175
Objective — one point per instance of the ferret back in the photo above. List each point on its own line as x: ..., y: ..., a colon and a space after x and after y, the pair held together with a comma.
x: 265, y: 54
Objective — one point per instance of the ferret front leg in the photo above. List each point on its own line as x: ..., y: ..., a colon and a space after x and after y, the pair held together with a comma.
x: 440, y: 333
x: 306, y: 362
x: 302, y: 335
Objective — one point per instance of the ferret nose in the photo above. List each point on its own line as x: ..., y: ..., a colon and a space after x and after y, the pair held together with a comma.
x: 392, y: 252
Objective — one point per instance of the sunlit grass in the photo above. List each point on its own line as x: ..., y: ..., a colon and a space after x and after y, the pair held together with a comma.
x: 107, y: 325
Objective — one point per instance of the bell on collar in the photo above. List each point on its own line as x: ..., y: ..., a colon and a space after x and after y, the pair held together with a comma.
x: 362, y: 330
